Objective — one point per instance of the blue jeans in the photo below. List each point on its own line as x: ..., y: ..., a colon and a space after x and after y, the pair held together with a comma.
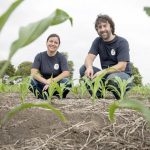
x: 36, y: 87
x: 122, y: 75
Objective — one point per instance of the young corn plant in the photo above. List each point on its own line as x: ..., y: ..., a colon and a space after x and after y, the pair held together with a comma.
x: 74, y: 88
x: 24, y: 106
x: 97, y: 85
x: 93, y: 85
x: 103, y: 88
x: 23, y: 90
x: 129, y: 104
x: 51, y: 90
x: 122, y: 86
x: 82, y: 88
x: 60, y: 89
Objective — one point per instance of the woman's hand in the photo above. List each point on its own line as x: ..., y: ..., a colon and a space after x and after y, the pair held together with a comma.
x: 45, y: 87
x: 50, y: 80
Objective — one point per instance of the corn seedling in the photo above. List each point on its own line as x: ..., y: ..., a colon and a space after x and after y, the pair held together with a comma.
x: 93, y: 86
x: 129, y: 104
x: 24, y: 106
x: 60, y: 89
x: 120, y: 86
x: 103, y: 88
x: 23, y: 90
x: 82, y: 88
x: 51, y: 90
x: 96, y: 85
x: 75, y: 90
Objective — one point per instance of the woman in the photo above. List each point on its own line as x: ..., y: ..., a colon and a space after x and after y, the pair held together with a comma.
x: 49, y: 66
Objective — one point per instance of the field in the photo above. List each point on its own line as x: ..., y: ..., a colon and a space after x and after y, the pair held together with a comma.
x: 87, y: 126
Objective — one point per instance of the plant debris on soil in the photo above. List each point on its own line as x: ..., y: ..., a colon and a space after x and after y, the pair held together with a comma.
x: 87, y: 126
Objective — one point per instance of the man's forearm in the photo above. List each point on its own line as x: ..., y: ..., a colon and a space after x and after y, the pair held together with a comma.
x: 88, y: 62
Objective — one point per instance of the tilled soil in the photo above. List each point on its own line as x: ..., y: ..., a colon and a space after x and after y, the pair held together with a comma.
x: 87, y: 126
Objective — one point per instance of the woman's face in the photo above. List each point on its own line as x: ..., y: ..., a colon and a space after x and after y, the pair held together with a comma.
x: 52, y: 44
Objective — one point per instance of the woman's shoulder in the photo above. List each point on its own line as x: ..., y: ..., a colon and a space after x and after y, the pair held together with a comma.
x: 59, y: 54
x: 41, y: 54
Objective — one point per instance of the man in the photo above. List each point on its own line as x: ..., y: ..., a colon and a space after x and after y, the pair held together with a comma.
x: 113, y: 51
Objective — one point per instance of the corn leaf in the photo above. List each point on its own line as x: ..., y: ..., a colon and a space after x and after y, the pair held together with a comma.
x: 32, y: 31
x: 147, y: 10
x: 112, y: 108
x: 136, y: 105
x: 23, y: 106
x: 5, y: 16
x: 129, y: 104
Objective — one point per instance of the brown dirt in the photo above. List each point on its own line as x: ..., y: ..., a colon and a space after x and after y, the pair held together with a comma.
x: 87, y: 128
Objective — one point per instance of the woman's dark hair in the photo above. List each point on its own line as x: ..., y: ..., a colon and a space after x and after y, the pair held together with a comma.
x: 54, y: 35
x: 104, y: 18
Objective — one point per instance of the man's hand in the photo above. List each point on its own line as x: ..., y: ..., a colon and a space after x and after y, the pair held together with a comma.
x: 89, y: 72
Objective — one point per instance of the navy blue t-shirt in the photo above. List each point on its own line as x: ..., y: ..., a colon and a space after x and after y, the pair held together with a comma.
x: 111, y: 52
x: 50, y: 65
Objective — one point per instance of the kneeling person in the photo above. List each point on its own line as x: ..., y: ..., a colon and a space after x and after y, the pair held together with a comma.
x: 49, y: 66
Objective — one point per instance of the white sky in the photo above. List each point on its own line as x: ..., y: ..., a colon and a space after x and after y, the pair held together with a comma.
x: 130, y: 20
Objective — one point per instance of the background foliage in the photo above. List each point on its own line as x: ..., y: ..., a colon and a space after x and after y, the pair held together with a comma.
x: 137, y: 81
x: 24, y: 69
x: 10, y: 69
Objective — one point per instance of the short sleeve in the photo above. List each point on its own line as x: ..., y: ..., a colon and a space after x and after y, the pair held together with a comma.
x: 123, y: 51
x: 64, y: 64
x: 37, y: 61
x: 94, y: 47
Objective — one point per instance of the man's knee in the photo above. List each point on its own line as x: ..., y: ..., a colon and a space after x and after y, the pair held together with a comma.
x: 82, y: 70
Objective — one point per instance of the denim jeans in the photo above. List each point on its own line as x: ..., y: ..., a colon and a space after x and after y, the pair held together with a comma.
x: 36, y: 87
x: 122, y: 75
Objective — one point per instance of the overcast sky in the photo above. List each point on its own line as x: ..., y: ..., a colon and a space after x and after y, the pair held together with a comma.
x: 131, y: 22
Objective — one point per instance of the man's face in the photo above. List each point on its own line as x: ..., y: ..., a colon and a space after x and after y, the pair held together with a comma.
x: 104, y: 31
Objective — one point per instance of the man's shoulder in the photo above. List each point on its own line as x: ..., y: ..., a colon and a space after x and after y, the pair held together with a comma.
x: 120, y: 38
x: 97, y: 40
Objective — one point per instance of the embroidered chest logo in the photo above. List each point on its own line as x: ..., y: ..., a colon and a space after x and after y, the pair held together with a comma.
x: 113, y: 52
x: 56, y: 66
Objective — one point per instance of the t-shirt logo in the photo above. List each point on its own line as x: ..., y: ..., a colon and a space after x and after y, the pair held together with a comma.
x: 56, y: 66
x: 113, y: 52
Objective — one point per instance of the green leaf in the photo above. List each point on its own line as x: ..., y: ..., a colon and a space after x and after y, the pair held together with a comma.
x: 136, y: 105
x: 129, y: 104
x: 32, y: 31
x: 111, y: 110
x: 5, y: 16
x: 23, y: 106
x: 147, y: 10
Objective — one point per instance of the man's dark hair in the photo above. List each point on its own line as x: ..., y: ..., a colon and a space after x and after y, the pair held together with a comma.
x: 54, y: 35
x: 105, y: 18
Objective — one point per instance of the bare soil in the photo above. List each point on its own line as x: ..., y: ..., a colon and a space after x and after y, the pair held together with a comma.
x: 87, y: 126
